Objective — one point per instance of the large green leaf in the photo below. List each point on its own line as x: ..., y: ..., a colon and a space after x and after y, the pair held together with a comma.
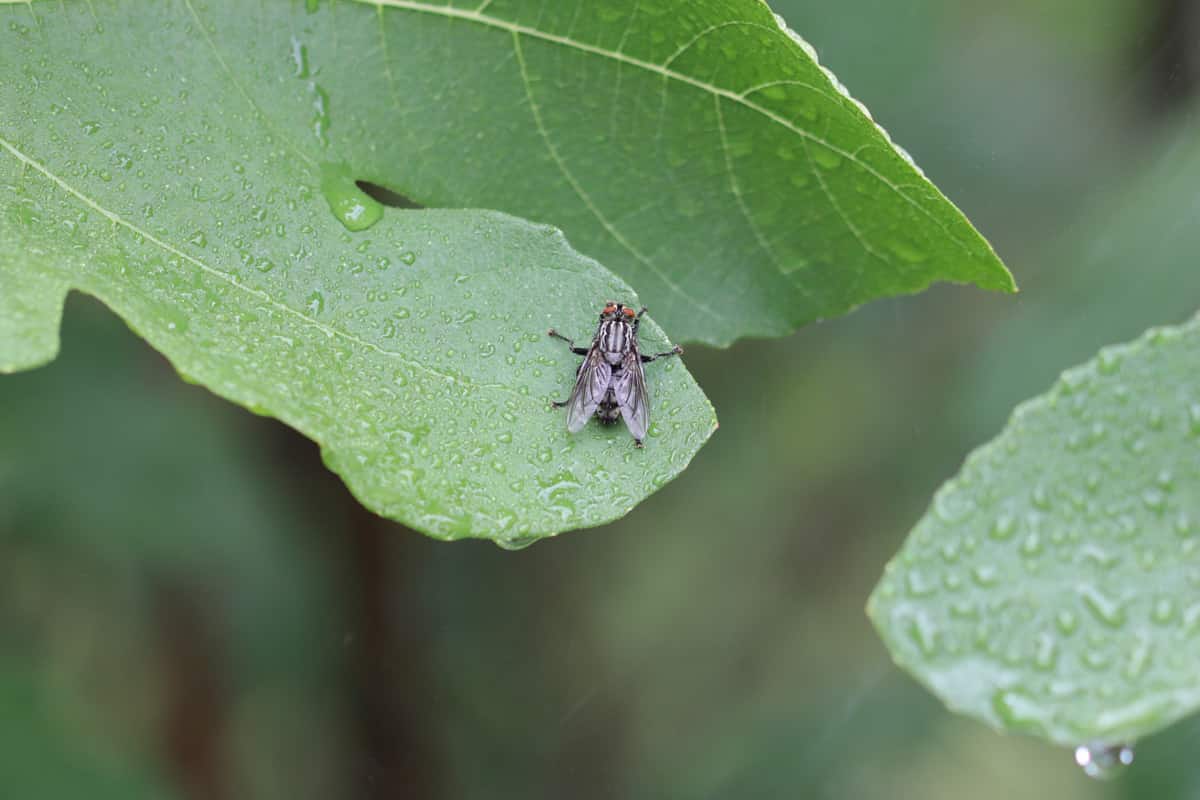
x: 424, y: 373
x: 415, y: 353
x: 696, y: 148
x: 1052, y: 586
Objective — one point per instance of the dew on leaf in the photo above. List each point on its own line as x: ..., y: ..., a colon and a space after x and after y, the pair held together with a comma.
x: 824, y: 157
x: 1105, y: 609
x: 299, y: 59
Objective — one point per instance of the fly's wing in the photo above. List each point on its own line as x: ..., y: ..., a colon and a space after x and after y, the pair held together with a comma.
x: 630, y: 390
x: 590, y: 387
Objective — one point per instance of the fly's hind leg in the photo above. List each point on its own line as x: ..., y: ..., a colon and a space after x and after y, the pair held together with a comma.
x: 579, y: 351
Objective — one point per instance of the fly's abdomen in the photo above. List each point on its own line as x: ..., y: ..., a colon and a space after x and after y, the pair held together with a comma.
x: 608, y: 411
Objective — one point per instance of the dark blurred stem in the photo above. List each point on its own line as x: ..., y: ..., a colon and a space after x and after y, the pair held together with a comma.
x: 385, y: 672
x: 385, y: 659
x: 195, y: 700
x: 1170, y: 55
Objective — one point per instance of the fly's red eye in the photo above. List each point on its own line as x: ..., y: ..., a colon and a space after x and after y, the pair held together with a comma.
x: 629, y: 312
x: 611, y: 307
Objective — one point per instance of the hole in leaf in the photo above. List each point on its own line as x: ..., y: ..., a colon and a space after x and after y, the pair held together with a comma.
x: 387, y: 196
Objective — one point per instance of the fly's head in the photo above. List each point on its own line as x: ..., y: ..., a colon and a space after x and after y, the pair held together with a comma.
x: 619, y: 311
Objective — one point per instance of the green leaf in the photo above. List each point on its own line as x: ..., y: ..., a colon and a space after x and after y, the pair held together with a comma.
x: 698, y: 150
x: 1051, y: 587
x: 419, y: 362
x: 140, y: 169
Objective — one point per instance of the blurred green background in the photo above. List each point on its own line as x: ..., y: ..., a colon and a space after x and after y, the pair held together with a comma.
x: 192, y: 607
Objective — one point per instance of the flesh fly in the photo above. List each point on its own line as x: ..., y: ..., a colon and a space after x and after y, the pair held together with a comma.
x: 610, y: 383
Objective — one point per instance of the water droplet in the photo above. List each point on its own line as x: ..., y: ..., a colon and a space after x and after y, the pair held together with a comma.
x: 1098, y: 556
x: 918, y: 584
x: 1003, y: 527
x: 316, y: 303
x: 1041, y: 498
x: 1066, y: 621
x: 824, y: 157
x: 1103, y: 761
x: 924, y: 633
x: 906, y: 251
x: 1109, y: 361
x: 1139, y: 659
x: 1019, y: 711
x: 985, y: 575
x: 1046, y: 652
x: 515, y: 544
x: 1154, y: 500
x: 91, y: 127
x: 1107, y: 610
x: 353, y: 207
x: 1194, y: 419
x: 320, y: 117
x: 408, y: 257
x: 1164, y: 610
x: 299, y: 59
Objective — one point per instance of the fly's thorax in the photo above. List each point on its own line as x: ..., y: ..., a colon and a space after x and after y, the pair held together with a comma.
x: 615, y: 338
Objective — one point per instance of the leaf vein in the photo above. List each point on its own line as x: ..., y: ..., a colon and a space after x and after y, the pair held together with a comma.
x: 737, y: 190
x: 584, y: 197
x: 265, y: 298
x: 525, y: 30
x: 241, y: 89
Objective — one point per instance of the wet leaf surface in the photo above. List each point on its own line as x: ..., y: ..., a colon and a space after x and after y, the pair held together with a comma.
x: 1052, y: 587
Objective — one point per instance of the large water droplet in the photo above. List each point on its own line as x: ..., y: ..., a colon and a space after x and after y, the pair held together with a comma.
x: 320, y: 115
x: 1103, y: 761
x: 353, y: 207
x: 299, y: 59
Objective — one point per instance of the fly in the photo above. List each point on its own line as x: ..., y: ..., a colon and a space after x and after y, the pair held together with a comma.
x: 610, y: 382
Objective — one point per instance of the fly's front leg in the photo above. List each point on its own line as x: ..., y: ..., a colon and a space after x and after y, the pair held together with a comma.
x: 674, y: 351
x: 579, y: 351
x: 637, y: 321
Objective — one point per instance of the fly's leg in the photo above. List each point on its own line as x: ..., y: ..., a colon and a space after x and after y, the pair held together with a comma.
x: 579, y: 351
x: 674, y: 351
x: 637, y: 321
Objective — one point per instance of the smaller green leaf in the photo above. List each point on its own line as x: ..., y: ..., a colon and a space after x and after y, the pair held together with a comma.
x: 1053, y: 587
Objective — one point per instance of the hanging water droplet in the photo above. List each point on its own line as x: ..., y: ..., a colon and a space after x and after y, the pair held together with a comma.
x: 514, y: 544
x: 1103, y: 761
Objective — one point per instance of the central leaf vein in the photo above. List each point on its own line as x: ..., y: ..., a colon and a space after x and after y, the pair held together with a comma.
x: 117, y: 219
